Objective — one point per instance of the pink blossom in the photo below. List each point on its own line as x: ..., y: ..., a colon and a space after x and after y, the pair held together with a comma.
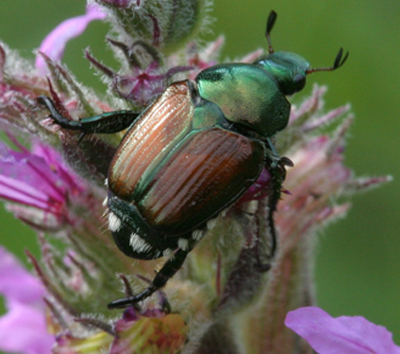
x: 37, y: 179
x: 54, y: 43
x: 23, y: 328
x: 344, y: 334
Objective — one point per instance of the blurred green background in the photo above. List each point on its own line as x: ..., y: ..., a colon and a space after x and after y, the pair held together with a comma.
x: 358, y: 266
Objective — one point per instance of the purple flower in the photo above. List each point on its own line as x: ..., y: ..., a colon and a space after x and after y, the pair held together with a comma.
x: 23, y: 328
x: 141, y: 85
x: 39, y: 181
x: 54, y: 43
x: 344, y: 335
x: 137, y: 333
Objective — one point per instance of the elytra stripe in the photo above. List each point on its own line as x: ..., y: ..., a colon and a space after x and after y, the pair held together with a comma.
x: 150, y: 140
x: 213, y: 169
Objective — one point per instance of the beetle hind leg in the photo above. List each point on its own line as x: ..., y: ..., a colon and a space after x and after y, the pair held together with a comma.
x: 167, y: 271
x: 138, y: 240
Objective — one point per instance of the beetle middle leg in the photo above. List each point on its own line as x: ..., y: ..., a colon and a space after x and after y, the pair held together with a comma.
x: 277, y: 168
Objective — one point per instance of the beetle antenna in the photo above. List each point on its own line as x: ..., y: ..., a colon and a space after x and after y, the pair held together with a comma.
x: 339, y: 61
x: 270, y: 24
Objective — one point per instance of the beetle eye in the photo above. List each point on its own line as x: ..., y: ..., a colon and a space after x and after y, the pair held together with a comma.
x: 299, y: 81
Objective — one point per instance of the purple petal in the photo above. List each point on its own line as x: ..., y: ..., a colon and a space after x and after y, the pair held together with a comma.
x: 345, y: 335
x: 16, y: 283
x: 32, y: 170
x: 38, y: 178
x: 22, y: 193
x: 54, y: 43
x: 54, y: 160
x: 23, y: 329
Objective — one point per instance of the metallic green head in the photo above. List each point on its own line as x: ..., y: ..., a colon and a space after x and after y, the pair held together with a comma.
x: 288, y: 69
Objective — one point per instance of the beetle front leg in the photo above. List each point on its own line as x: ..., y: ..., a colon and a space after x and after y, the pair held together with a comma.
x: 167, y: 271
x: 106, y: 123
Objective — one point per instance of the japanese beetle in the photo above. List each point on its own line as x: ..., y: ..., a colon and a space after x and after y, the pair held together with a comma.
x: 193, y: 153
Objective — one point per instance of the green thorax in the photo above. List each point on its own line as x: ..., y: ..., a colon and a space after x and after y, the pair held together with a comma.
x: 248, y: 96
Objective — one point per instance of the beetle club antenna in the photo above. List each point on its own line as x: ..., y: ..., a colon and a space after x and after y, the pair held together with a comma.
x: 270, y: 24
x: 339, y: 61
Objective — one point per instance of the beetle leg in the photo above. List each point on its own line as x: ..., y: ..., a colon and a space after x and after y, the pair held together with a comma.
x: 138, y: 240
x: 167, y: 271
x: 106, y: 123
x: 273, y: 156
x: 276, y: 167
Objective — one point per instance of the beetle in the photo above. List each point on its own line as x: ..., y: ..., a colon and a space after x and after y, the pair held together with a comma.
x: 193, y: 153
